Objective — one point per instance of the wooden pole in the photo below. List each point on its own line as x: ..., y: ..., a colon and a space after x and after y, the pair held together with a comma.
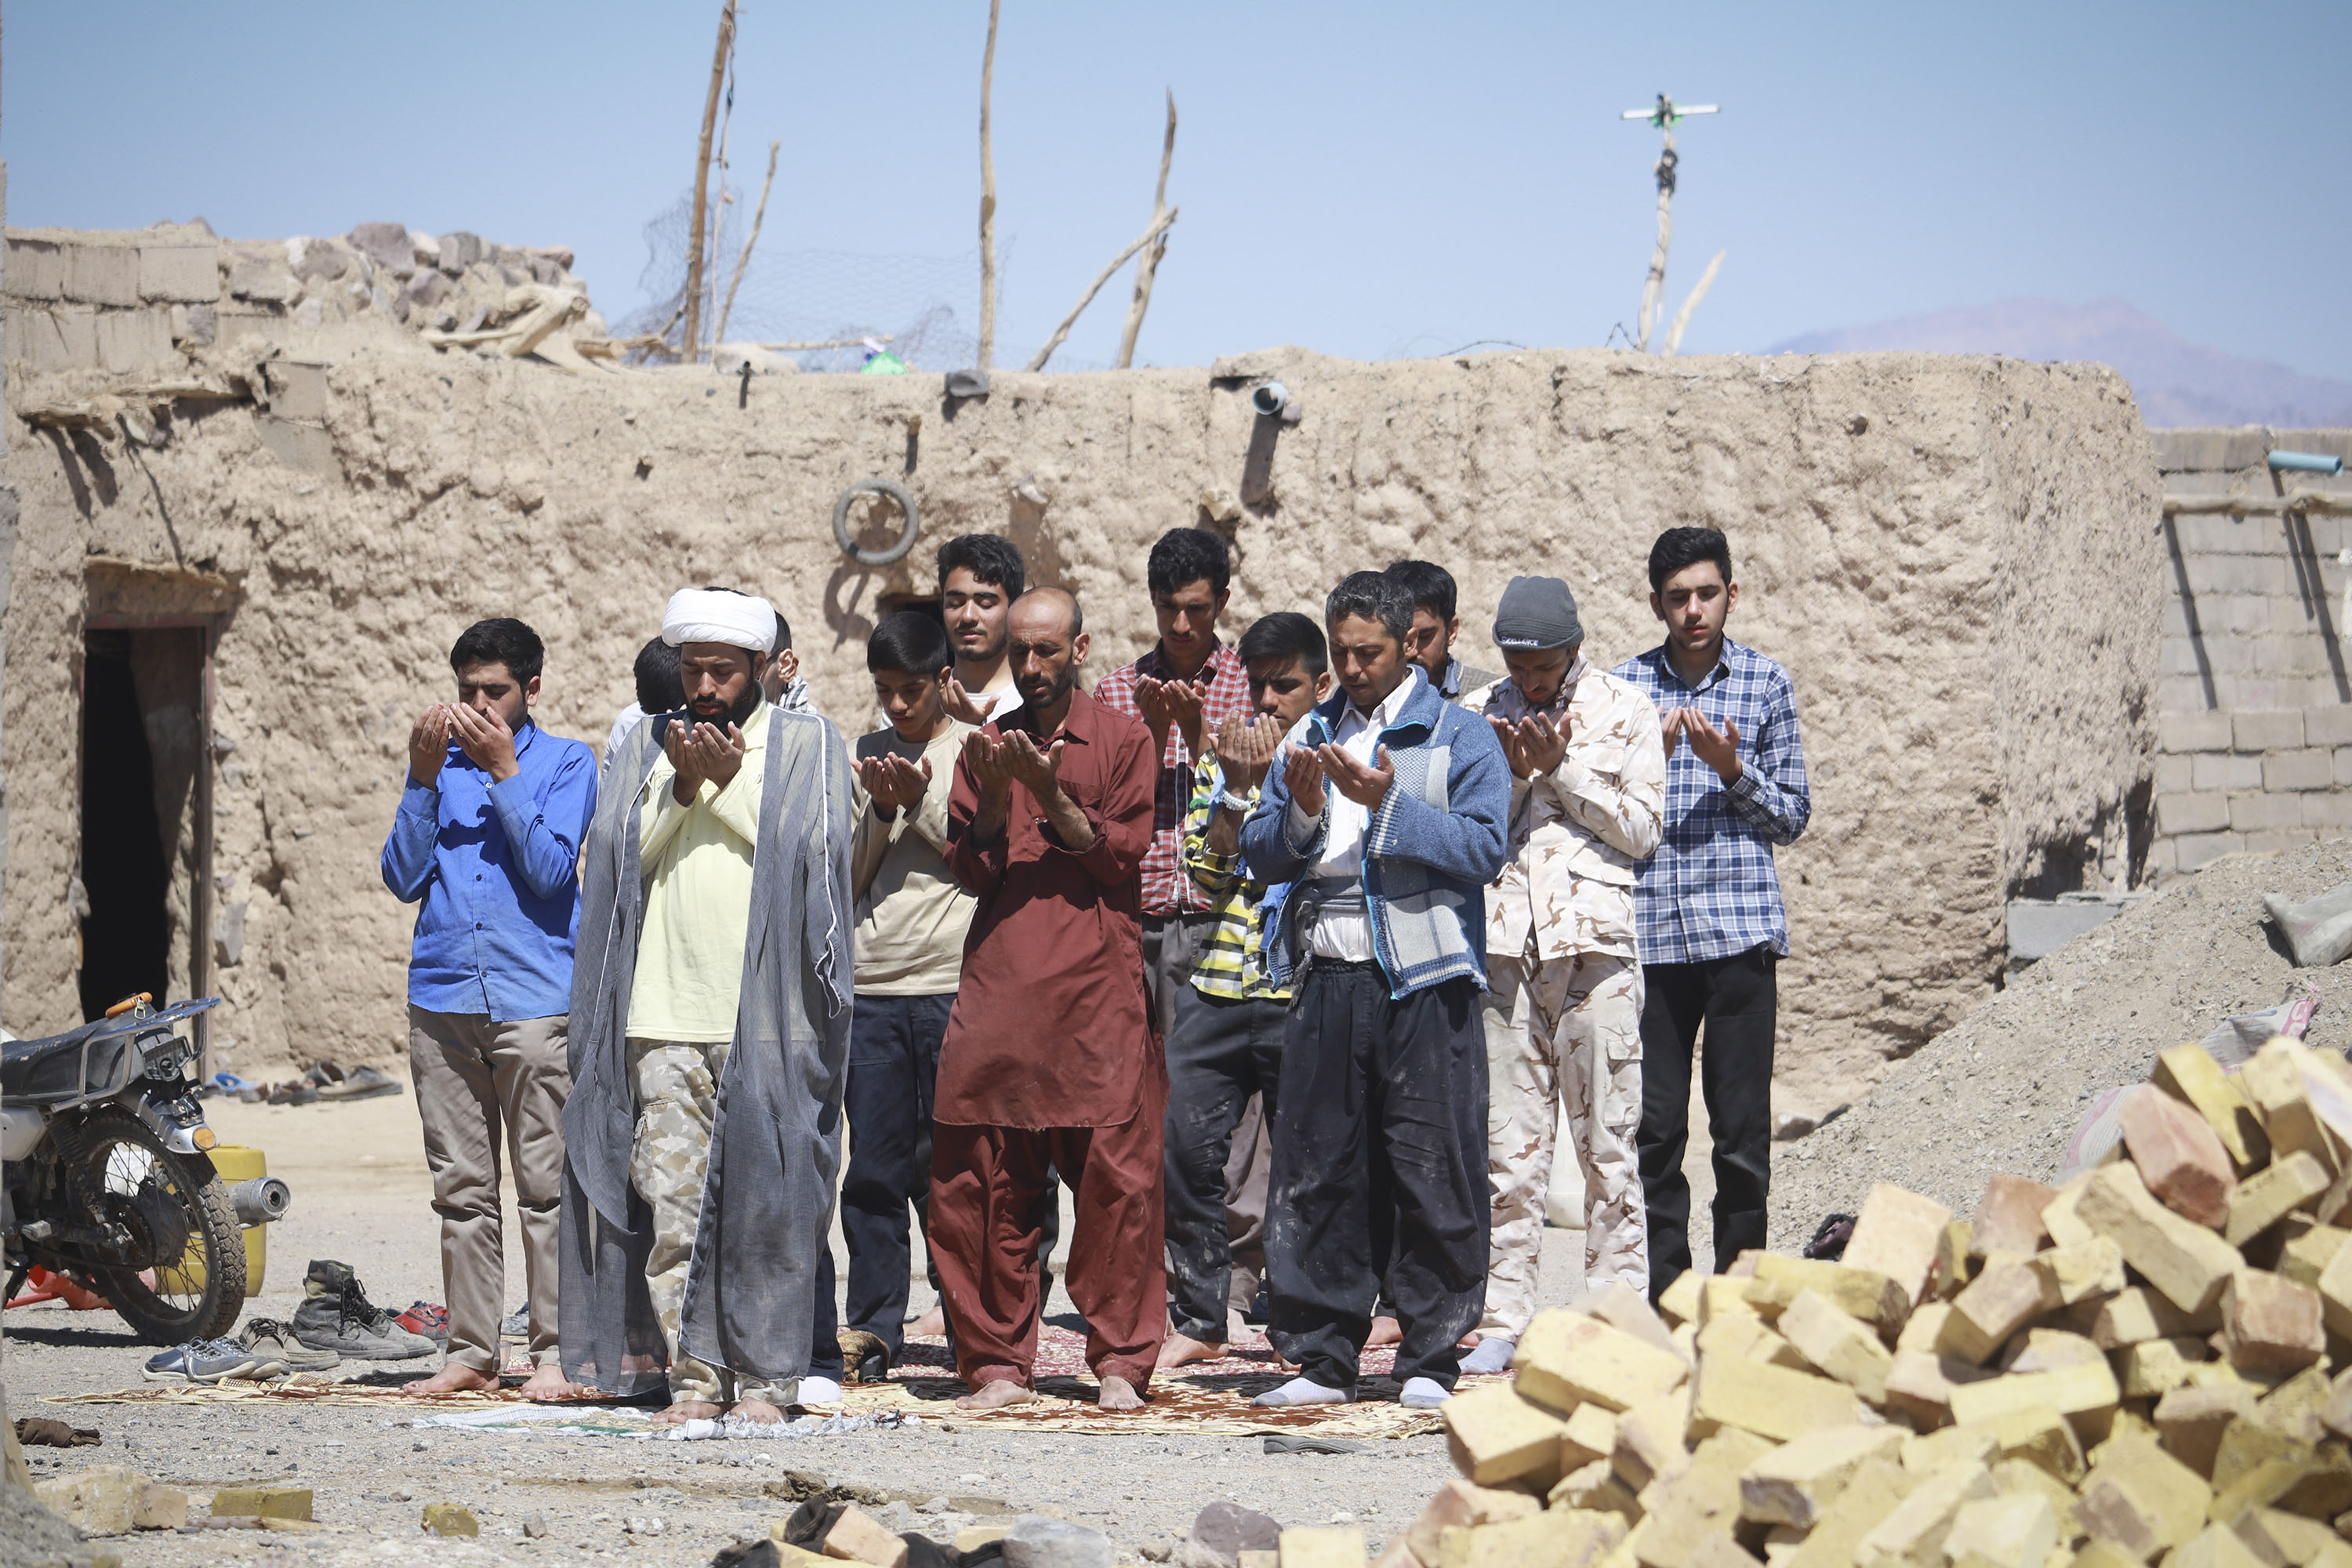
x: 1159, y: 222
x: 1147, y: 268
x: 1683, y: 316
x: 987, y: 204
x: 759, y: 216
x: 1657, y: 285
x: 702, y: 182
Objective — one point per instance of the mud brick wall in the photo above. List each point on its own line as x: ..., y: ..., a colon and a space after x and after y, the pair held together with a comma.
x: 2257, y: 698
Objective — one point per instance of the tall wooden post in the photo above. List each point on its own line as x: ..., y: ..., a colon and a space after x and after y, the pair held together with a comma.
x: 987, y: 204
x: 702, y: 183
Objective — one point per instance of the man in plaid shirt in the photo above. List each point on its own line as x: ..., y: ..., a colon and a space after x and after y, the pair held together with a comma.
x: 1707, y: 903
x: 1189, y: 684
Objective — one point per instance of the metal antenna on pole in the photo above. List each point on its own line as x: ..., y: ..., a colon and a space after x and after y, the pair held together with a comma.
x: 1666, y: 114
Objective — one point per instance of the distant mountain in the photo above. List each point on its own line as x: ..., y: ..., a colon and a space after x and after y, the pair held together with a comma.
x: 2176, y: 381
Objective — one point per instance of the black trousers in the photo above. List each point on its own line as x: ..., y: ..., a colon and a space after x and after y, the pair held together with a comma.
x: 1221, y: 1051
x: 894, y: 1066
x: 1737, y: 1001
x: 1380, y: 1153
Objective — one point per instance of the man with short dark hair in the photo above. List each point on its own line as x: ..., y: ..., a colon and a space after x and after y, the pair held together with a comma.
x: 1224, y: 1044
x: 781, y: 680
x: 711, y: 1008
x: 1187, y: 685
x: 1563, y: 1009
x: 485, y: 843
x: 1436, y: 621
x: 1388, y: 815
x: 912, y: 919
x: 1050, y: 1057
x: 979, y: 576
x: 1708, y: 903
x: 656, y: 675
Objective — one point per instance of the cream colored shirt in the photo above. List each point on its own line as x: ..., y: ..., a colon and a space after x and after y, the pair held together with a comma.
x: 698, y: 869
x: 912, y: 915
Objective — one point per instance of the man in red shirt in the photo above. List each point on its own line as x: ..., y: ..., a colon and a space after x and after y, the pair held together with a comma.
x: 1050, y: 1057
x: 1186, y: 686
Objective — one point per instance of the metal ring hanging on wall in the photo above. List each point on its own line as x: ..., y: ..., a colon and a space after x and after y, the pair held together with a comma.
x: 905, y: 540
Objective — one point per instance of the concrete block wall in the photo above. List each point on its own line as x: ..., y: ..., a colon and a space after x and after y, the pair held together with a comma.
x: 2255, y: 734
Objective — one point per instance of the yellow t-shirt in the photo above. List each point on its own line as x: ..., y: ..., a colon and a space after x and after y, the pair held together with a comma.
x: 697, y: 867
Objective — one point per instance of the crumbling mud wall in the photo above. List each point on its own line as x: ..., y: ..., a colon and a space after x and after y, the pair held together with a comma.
x: 1956, y: 558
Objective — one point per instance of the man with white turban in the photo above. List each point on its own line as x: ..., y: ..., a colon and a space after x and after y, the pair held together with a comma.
x: 711, y: 1008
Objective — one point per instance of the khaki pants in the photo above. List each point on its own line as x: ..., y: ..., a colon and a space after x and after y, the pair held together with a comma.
x: 676, y: 1087
x: 1565, y: 1035
x: 474, y: 1077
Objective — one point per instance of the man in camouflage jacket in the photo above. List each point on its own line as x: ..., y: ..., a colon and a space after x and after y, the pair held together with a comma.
x: 1564, y: 1005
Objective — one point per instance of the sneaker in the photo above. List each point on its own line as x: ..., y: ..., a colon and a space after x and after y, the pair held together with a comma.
x: 336, y: 1315
x: 427, y: 1318
x: 517, y: 1325
x: 269, y: 1338
x: 208, y: 1361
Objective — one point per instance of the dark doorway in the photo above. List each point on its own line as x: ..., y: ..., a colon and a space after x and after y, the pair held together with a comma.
x: 126, y: 929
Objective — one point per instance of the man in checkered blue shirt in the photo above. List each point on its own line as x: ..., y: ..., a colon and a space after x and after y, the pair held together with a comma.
x: 1707, y: 904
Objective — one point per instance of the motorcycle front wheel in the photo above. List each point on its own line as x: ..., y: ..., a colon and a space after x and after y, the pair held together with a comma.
x: 189, y: 1282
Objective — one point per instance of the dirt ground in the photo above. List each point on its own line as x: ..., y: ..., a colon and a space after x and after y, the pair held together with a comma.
x: 360, y: 1195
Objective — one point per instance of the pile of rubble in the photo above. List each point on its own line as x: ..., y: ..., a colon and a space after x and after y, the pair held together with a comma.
x: 177, y: 311
x: 2130, y: 1368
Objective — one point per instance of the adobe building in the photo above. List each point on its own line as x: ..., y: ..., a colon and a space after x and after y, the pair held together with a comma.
x: 263, y: 486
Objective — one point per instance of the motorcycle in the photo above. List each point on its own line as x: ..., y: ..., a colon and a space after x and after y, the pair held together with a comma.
x: 108, y: 1180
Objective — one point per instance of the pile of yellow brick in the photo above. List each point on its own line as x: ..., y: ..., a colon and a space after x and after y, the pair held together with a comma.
x: 2132, y: 1368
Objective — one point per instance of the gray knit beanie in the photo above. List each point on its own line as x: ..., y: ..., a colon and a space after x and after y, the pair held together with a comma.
x: 1537, y: 613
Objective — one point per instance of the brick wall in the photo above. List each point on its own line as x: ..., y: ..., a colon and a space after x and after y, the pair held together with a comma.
x: 2256, y: 727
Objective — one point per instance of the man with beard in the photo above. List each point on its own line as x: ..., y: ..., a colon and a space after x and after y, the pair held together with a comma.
x: 1049, y: 1056
x: 712, y: 1012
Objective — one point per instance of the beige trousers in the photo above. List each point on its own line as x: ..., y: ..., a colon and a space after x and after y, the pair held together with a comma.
x: 476, y: 1079
x: 1565, y: 1035
x: 676, y: 1086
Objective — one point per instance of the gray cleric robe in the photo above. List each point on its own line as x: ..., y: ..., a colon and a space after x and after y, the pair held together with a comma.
x: 775, y: 1147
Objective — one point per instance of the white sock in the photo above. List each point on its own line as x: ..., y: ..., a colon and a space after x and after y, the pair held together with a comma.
x: 1422, y: 1394
x: 1303, y: 1391
x: 1493, y: 1354
x: 818, y: 1391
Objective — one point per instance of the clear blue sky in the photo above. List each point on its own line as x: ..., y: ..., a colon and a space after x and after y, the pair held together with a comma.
x: 1367, y: 179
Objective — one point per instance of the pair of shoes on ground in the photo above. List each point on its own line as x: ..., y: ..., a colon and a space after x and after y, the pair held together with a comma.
x: 264, y: 1348
x: 336, y: 1315
x: 360, y: 1083
x: 1418, y: 1393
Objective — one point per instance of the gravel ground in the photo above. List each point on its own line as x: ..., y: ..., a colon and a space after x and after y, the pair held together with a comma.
x: 360, y: 1195
x: 2003, y: 1089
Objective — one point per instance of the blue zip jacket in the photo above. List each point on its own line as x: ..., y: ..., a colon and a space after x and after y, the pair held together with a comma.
x: 1433, y: 845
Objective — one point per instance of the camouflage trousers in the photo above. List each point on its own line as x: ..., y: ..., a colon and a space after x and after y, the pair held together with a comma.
x: 1562, y: 1035
x: 676, y: 1087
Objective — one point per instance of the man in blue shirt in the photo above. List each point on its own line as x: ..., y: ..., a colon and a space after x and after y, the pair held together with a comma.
x: 488, y: 837
x: 1707, y: 903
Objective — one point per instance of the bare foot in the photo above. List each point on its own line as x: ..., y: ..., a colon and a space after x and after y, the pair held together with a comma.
x: 996, y: 1395
x: 549, y: 1382
x: 451, y: 1378
x: 1385, y: 1331
x: 1178, y: 1348
x: 1117, y: 1393
x: 1240, y: 1335
x: 929, y: 1326
x: 757, y: 1411
x: 685, y: 1410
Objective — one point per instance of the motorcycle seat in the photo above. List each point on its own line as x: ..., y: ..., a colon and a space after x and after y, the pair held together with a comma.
x: 50, y: 1070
